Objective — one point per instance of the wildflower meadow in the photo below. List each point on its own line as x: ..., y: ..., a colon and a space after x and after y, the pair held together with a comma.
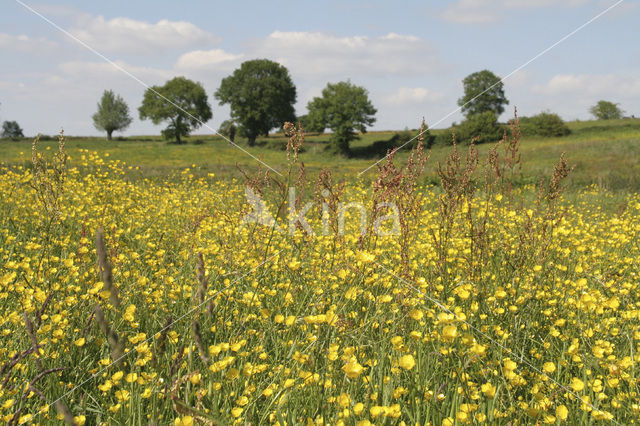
x: 169, y: 300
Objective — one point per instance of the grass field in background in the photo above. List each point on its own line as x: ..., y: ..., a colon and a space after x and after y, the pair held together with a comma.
x: 606, y: 153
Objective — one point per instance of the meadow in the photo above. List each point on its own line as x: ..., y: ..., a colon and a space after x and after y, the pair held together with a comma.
x: 134, y: 291
x: 603, y: 154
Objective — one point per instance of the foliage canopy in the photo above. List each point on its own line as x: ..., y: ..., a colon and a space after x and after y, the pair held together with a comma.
x: 181, y: 102
x: 112, y: 114
x: 344, y: 108
x: 483, y: 91
x: 261, y: 95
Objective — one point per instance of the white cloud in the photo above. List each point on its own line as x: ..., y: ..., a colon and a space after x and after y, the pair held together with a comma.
x: 489, y: 11
x: 24, y: 43
x: 104, y: 72
x: 470, y: 12
x: 413, y: 95
x: 316, y: 54
x: 208, y: 59
x: 125, y: 35
x: 526, y: 4
x: 590, y: 85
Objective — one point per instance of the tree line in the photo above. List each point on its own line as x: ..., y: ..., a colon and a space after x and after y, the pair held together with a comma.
x: 261, y: 96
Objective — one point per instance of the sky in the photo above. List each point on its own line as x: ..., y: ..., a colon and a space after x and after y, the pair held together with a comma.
x: 411, y: 56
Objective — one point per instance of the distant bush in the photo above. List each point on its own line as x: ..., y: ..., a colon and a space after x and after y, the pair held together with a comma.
x: 228, y: 129
x: 276, y: 144
x: 481, y: 128
x: 444, y: 138
x: 545, y: 124
x: 406, y: 139
x: 401, y: 138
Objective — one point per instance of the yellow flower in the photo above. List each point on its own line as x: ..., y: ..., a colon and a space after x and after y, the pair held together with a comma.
x: 376, y: 411
x: 358, y: 408
x: 352, y: 368
x: 562, y: 413
x: 365, y: 257
x: 131, y: 377
x: 549, y: 367
x: 106, y: 386
x: 577, y: 385
x: 449, y: 332
x: 232, y: 374
x: 79, y: 342
x: 416, y: 314
x: 407, y: 362
x: 488, y: 390
x: 184, y: 421
x: 509, y: 365
x: 79, y: 420
x: 294, y: 265
x: 462, y: 417
x: 236, y: 412
x: 195, y: 379
x: 447, y: 421
x: 344, y: 400
x: 129, y: 313
x: 122, y: 395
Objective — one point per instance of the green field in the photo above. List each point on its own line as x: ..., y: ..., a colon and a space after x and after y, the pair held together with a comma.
x: 605, y: 153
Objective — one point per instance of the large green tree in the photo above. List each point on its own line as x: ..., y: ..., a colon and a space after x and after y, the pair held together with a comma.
x: 483, y: 91
x: 605, y: 110
x: 261, y: 95
x: 181, y: 102
x: 11, y: 129
x: 343, y: 108
x: 112, y: 115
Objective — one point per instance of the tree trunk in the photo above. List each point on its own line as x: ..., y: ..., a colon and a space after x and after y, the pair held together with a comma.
x: 178, y: 130
x: 109, y: 132
x: 251, y: 140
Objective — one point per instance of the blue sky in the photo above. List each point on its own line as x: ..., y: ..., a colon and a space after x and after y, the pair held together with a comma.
x: 410, y: 55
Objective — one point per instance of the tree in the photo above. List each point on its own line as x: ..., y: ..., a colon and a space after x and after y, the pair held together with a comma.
x: 343, y: 108
x: 310, y: 126
x: 483, y: 91
x: 261, y: 95
x: 181, y: 102
x: 112, y: 115
x: 11, y: 129
x: 605, y: 110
